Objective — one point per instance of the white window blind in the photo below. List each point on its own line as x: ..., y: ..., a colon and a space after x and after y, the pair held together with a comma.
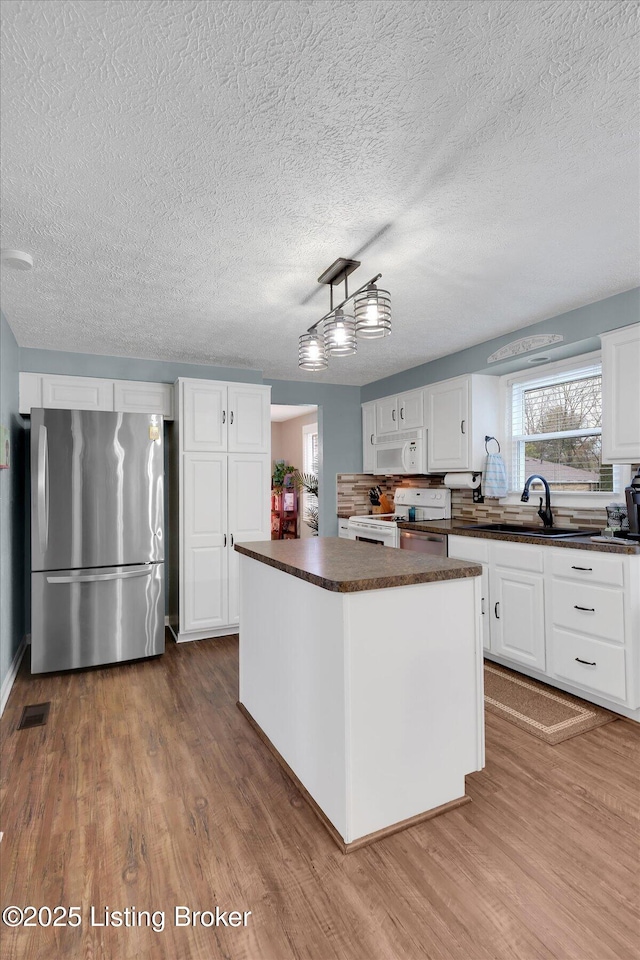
x: 556, y: 426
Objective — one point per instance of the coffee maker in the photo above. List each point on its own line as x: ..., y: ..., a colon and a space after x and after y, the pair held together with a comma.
x: 632, y: 494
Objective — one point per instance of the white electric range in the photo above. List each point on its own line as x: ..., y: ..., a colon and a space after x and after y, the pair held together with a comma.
x: 427, y: 503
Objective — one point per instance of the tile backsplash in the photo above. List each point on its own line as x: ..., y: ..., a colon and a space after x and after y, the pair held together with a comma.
x: 353, y: 490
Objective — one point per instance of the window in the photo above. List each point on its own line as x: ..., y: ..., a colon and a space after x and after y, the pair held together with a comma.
x: 310, y: 462
x: 556, y: 427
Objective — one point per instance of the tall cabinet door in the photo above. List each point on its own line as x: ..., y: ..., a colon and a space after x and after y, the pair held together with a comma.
x: 204, y: 570
x: 204, y: 416
x: 448, y: 425
x: 249, y: 419
x: 249, y: 514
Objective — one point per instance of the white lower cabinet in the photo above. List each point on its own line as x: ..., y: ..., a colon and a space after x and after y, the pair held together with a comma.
x: 225, y: 500
x: 517, y: 625
x: 477, y: 551
x: 569, y: 617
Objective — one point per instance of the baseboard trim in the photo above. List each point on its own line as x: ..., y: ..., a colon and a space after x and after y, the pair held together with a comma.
x: 12, y: 674
x: 321, y: 815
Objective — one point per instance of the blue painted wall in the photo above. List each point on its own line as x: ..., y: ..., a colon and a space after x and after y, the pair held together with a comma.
x: 126, y: 368
x: 12, y: 506
x: 580, y: 329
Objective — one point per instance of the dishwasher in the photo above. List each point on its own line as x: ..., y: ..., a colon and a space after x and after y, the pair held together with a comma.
x: 420, y: 541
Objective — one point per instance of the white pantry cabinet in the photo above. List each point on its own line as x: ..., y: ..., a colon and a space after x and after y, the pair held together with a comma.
x: 223, y: 499
x: 53, y: 391
x: 620, y: 396
x: 460, y: 413
x: 225, y: 416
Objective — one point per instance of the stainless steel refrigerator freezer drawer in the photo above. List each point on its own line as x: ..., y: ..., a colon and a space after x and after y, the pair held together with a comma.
x: 82, y: 618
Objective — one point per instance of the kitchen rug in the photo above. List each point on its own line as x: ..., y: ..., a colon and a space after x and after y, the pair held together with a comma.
x: 547, y: 713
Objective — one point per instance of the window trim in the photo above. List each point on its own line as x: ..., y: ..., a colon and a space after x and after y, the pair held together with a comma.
x: 564, y: 498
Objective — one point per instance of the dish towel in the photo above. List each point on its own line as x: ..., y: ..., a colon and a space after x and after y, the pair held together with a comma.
x: 494, y: 478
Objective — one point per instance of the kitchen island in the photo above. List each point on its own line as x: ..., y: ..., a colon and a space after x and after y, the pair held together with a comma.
x: 361, y: 668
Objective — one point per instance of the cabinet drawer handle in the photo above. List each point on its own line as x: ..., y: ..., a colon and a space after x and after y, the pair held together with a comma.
x: 231, y: 539
x: 225, y: 540
x: 231, y: 417
x: 588, y: 609
x: 402, y: 413
x: 588, y: 569
x: 495, y: 610
x: 371, y: 439
x: 462, y: 427
x: 224, y: 416
x: 393, y: 415
x: 589, y: 663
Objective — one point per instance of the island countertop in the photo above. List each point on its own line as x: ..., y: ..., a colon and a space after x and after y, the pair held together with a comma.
x: 348, y: 566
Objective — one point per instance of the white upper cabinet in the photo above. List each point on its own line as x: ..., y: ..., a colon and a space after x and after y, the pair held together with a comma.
x: 620, y: 395
x: 368, y: 435
x: 137, y: 396
x: 53, y: 391
x: 77, y: 393
x: 402, y: 412
x: 203, y: 406
x: 460, y: 413
x: 220, y: 416
x: 249, y: 418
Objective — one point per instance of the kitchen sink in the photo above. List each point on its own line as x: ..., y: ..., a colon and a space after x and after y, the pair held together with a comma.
x: 551, y: 533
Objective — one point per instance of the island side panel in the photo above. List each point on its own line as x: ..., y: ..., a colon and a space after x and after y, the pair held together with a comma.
x: 292, y: 677
x: 414, y: 700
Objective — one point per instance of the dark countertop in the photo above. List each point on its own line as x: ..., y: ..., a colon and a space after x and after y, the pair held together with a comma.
x: 457, y: 527
x: 348, y: 566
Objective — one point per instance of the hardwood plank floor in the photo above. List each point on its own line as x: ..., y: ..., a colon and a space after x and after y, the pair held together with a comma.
x: 148, y: 789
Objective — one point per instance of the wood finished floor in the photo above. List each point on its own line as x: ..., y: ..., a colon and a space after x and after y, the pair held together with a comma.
x: 148, y: 788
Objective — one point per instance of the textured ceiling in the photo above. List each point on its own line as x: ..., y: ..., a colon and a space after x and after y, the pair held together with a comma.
x: 183, y: 171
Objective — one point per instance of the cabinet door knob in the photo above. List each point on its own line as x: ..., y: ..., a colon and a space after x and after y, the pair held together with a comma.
x: 402, y: 413
x: 588, y: 609
x: 393, y: 415
x: 225, y: 540
x: 495, y: 610
x: 589, y: 663
x: 231, y: 417
x: 462, y: 426
x: 371, y: 439
x: 224, y: 416
x: 231, y: 539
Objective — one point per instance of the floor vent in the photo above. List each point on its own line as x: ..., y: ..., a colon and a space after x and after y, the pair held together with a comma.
x: 35, y: 715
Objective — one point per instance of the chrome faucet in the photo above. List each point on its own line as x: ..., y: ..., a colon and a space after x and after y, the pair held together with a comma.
x: 545, y: 514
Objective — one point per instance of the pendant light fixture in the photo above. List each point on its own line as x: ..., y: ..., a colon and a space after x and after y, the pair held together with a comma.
x: 340, y: 330
x: 340, y: 334
x: 311, y: 352
x: 373, y: 313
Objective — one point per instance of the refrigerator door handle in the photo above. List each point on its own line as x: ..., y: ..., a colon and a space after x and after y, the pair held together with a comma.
x: 43, y: 488
x: 94, y: 577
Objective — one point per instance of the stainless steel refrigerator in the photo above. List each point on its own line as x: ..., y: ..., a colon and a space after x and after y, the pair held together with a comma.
x: 97, y: 538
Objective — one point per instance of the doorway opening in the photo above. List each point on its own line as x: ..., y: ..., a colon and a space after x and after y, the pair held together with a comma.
x: 295, y: 455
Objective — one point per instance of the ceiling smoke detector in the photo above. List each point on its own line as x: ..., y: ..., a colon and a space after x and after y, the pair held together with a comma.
x: 18, y: 259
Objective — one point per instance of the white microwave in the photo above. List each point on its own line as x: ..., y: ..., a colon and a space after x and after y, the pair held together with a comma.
x: 404, y: 452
